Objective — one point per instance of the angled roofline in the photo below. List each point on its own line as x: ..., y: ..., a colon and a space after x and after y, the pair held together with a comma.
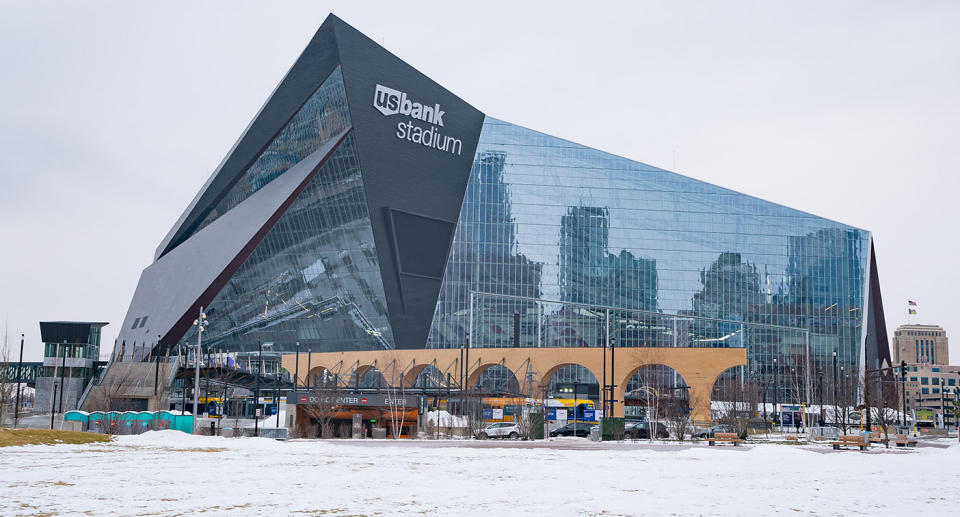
x: 194, y: 209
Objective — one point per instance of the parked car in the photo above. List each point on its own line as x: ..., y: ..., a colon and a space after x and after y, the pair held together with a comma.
x: 638, y: 430
x: 501, y: 430
x: 572, y: 429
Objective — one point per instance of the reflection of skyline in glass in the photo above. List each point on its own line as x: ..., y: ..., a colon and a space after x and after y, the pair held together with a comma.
x: 315, y: 277
x: 604, y: 230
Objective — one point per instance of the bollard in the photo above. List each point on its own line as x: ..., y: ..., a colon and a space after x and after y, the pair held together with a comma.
x: 213, y: 428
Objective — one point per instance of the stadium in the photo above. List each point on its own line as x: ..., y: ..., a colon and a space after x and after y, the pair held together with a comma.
x: 377, y: 230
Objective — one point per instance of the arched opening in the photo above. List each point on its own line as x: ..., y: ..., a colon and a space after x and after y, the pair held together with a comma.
x: 575, y: 388
x: 368, y: 376
x: 656, y: 392
x: 429, y: 377
x: 496, y: 380
x: 738, y: 400
x: 320, y: 377
x: 569, y: 380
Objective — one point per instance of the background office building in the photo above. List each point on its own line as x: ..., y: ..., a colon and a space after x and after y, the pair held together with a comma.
x: 71, y: 358
x: 917, y: 344
x: 366, y: 208
x: 931, y: 383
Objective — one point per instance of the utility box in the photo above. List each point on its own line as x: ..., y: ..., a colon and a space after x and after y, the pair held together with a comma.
x: 357, y: 426
x: 536, y: 426
x: 611, y: 428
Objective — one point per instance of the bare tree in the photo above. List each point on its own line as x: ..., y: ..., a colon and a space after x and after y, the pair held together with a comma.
x: 882, y: 399
x: 111, y: 397
x: 474, y: 414
x: 8, y: 386
x: 677, y: 414
x: 322, y: 407
x: 525, y: 421
x: 397, y: 402
x: 848, y: 392
x: 737, y: 401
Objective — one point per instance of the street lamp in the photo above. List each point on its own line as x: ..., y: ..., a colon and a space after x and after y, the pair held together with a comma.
x: 776, y: 389
x: 201, y: 324
x: 836, y: 379
x: 943, y: 409
x: 903, y: 388
x: 256, y: 395
x: 16, y: 407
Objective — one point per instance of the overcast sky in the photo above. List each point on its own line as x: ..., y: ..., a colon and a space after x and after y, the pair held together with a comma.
x: 113, y: 114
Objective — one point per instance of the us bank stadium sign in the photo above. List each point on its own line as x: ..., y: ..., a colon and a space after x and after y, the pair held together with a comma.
x: 423, y: 123
x: 350, y: 399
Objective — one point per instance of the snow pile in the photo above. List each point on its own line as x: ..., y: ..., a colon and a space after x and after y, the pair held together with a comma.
x: 446, y: 419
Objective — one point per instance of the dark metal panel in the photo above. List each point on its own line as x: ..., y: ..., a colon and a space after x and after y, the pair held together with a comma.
x: 401, y: 174
x: 877, y: 345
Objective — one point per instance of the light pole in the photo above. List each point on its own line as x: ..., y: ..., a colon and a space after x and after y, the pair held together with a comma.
x: 903, y: 388
x: 53, y: 392
x: 256, y: 396
x: 943, y: 409
x: 276, y: 399
x: 776, y: 389
x: 16, y: 408
x: 201, y: 324
x: 835, y: 381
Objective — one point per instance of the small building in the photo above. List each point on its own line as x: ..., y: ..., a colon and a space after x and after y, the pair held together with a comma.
x: 931, y: 391
x: 71, y: 358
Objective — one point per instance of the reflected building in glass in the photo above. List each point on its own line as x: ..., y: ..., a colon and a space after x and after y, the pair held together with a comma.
x: 367, y: 208
x: 675, y: 261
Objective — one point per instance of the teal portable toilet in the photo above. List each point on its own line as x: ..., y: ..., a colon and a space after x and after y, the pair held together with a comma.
x: 79, y: 420
x: 165, y: 420
x: 95, y: 421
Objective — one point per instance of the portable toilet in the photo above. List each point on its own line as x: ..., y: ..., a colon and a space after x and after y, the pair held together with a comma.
x: 76, y: 420
x: 95, y: 422
x: 165, y: 420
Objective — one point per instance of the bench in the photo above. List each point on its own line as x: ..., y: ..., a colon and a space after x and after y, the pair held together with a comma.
x: 724, y: 437
x: 903, y: 440
x: 850, y: 440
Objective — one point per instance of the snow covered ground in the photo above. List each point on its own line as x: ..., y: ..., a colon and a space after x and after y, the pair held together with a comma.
x: 170, y: 473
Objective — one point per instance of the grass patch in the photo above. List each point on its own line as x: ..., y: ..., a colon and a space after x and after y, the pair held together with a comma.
x: 15, y: 437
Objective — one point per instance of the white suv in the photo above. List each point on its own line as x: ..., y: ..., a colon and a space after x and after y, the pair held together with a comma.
x: 501, y: 430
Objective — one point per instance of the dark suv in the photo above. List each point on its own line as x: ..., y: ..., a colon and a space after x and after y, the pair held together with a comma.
x: 638, y: 430
x: 572, y: 429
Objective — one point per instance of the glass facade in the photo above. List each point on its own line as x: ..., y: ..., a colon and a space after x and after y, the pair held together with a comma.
x: 561, y: 239
x: 315, y: 276
x: 321, y: 118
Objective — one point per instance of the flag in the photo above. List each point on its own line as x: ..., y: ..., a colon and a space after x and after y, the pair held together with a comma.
x: 912, y: 311
x: 911, y: 303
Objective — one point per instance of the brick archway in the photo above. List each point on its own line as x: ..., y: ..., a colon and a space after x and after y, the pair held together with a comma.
x: 699, y: 367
